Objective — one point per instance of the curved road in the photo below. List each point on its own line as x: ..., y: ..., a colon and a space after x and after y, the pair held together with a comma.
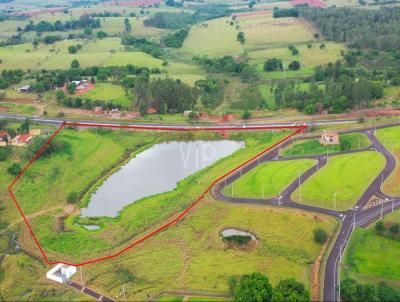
x: 356, y: 216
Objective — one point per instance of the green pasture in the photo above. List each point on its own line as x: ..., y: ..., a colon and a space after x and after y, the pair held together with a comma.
x: 347, y: 176
x: 110, y: 92
x: 268, y: 179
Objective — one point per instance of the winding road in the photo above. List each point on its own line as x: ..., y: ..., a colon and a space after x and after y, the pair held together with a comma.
x: 358, y: 215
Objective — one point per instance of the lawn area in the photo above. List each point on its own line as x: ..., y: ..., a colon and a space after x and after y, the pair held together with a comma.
x: 191, y: 254
x: 110, y: 92
x: 371, y: 258
x: 269, y: 179
x: 88, y: 155
x: 390, y: 138
x: 346, y: 175
x: 25, y: 109
x: 348, y: 141
x: 262, y: 32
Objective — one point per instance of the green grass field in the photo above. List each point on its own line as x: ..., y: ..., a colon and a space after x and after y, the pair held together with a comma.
x: 262, y: 32
x: 346, y: 175
x: 191, y: 255
x: 268, y: 179
x: 313, y: 146
x: 110, y: 92
x: 370, y: 257
x: 41, y: 198
x: 390, y: 138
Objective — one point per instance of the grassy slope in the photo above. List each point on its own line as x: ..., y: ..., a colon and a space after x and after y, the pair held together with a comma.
x: 110, y: 92
x: 313, y: 146
x: 371, y: 258
x: 84, y: 150
x: 346, y: 175
x: 390, y: 138
x: 191, y: 254
x: 273, y: 177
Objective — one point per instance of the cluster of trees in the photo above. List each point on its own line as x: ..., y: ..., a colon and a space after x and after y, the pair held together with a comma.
x: 176, y: 39
x: 165, y: 96
x: 172, y: 20
x: 285, y: 12
x: 240, y: 37
x: 392, y: 231
x: 73, y: 49
x: 293, y: 50
x: 212, y: 91
x: 344, y: 88
x: 256, y: 287
x: 84, y: 21
x: 127, y: 25
x: 10, y: 77
x: 85, y: 103
x: 225, y: 64
x: 144, y: 45
x: 274, y: 64
x: 351, y: 290
x: 359, y: 28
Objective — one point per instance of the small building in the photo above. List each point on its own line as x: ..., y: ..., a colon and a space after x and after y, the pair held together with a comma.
x: 186, y: 113
x: 24, y: 89
x: 21, y: 140
x: 151, y: 111
x: 329, y: 138
x: 35, y: 132
x: 61, y: 273
x: 80, y: 85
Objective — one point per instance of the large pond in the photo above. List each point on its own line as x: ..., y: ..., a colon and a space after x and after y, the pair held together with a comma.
x: 155, y: 170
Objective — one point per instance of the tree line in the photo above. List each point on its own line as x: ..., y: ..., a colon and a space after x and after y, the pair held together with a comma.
x: 358, y: 28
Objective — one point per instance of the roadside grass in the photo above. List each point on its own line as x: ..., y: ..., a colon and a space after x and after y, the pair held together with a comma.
x: 84, y: 163
x: 25, y: 109
x: 269, y: 179
x: 110, y: 92
x: 371, y: 258
x: 262, y: 31
x: 348, y: 141
x: 390, y: 138
x: 347, y: 176
x: 191, y: 255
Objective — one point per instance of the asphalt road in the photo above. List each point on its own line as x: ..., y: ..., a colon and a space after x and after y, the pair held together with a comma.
x: 356, y: 216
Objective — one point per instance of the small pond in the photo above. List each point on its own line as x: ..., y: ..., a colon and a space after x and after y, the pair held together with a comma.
x: 90, y: 227
x: 155, y: 170
x: 235, y: 232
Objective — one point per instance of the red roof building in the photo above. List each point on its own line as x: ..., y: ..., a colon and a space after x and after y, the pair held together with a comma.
x: 4, y: 136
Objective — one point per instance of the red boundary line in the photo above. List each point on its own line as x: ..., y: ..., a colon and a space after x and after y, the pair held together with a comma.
x: 138, y: 127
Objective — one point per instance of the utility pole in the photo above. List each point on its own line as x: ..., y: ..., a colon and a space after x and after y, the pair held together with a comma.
x: 334, y: 200
x: 300, y: 187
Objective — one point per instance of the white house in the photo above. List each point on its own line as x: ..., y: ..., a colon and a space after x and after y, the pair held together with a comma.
x: 61, y: 273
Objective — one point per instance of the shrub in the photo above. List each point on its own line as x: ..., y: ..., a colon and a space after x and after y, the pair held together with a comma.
x: 294, y: 65
x: 72, y: 197
x: 237, y: 239
x: 290, y: 290
x: 253, y: 287
x: 14, y: 169
x: 5, y: 153
x: 380, y: 227
x: 320, y: 236
x: 246, y: 115
x: 394, y: 228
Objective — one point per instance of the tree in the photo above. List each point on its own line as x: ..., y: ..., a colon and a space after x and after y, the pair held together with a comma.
x: 386, y: 293
x: 72, y: 197
x: 316, y: 36
x: 273, y: 64
x: 5, y: 153
x: 290, y: 290
x: 71, y: 87
x: 350, y: 290
x: 294, y: 65
x: 253, y: 287
x: 322, y: 46
x: 88, y: 31
x: 75, y: 64
x: 394, y: 228
x: 246, y: 115
x: 295, y: 51
x: 380, y: 227
x: 25, y: 126
x: 101, y: 34
x: 241, y: 37
x: 60, y: 95
x: 14, y: 169
x: 72, y: 49
x: 128, y: 26
x: 320, y: 235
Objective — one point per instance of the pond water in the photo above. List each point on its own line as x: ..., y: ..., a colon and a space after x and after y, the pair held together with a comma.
x: 155, y: 170
x: 235, y: 232
x: 90, y: 227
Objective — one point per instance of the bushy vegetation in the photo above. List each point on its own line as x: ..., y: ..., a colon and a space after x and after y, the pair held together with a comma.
x: 212, y: 91
x: 359, y: 28
x: 176, y: 39
x: 144, y: 45
x: 172, y: 20
x: 285, y: 12
x: 351, y: 290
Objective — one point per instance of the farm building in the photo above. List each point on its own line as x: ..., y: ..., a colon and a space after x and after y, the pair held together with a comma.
x: 61, y: 273
x: 329, y: 138
x: 24, y: 89
x: 21, y: 140
x: 81, y: 85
